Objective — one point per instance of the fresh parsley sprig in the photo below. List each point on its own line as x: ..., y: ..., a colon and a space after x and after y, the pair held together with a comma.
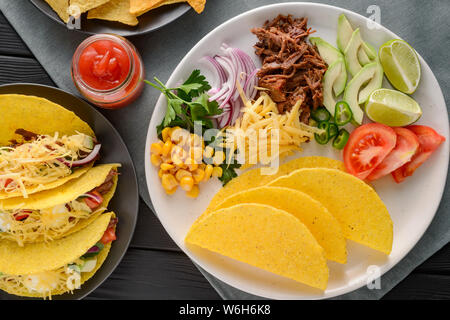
x: 188, y: 103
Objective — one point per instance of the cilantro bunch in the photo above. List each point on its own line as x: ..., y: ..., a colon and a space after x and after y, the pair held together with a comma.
x: 188, y: 103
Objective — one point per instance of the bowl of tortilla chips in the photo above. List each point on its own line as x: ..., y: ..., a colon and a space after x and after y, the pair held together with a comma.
x: 123, y: 17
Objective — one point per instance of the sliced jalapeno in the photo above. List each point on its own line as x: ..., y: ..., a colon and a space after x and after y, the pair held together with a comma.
x: 341, y: 140
x: 321, y: 114
x: 334, y: 130
x: 342, y: 113
x: 323, y: 137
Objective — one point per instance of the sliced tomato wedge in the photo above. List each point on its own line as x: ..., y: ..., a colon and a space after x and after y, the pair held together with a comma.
x: 21, y: 217
x: 95, y: 201
x: 7, y: 182
x: 109, y: 236
x: 429, y: 141
x: 405, y: 148
x: 367, y: 147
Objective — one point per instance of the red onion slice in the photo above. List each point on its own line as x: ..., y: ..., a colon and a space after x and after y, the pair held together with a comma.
x: 232, y: 66
x: 91, y: 157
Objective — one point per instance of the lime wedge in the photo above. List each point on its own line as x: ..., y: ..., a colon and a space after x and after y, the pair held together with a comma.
x: 401, y: 65
x: 392, y: 108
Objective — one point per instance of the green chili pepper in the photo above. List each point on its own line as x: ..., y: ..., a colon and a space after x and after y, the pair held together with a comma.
x: 321, y: 114
x: 341, y: 140
x: 334, y: 130
x: 324, y: 137
x: 342, y: 113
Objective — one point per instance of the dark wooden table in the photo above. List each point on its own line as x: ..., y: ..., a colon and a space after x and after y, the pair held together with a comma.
x: 154, y: 267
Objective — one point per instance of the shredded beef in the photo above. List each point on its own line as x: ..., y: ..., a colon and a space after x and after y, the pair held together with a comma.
x: 292, y: 68
x: 27, y: 135
x: 107, y: 184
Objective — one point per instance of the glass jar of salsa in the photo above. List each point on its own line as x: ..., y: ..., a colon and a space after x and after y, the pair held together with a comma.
x: 108, y: 71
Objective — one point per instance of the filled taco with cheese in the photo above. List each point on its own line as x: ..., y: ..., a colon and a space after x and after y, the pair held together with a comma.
x: 55, y: 213
x: 43, y: 270
x: 42, y: 145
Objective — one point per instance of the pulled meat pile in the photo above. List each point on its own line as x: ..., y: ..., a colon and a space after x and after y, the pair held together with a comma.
x: 292, y: 68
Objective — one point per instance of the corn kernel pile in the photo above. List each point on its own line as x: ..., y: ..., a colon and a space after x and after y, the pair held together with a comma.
x: 179, y: 157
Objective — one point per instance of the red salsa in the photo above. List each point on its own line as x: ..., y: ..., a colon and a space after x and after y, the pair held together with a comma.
x: 108, y: 71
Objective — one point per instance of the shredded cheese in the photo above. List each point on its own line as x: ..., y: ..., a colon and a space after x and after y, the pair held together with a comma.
x: 46, y: 224
x: 44, y: 283
x: 262, y: 126
x: 36, y: 162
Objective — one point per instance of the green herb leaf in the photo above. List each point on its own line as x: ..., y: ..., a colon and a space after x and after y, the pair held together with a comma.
x: 228, y: 172
x: 195, y: 85
x: 188, y: 103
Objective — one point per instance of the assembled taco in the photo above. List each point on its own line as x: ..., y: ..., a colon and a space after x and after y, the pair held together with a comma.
x: 42, y: 145
x: 55, y: 213
x: 43, y: 270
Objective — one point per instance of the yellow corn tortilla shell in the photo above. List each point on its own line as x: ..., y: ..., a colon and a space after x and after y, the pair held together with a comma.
x: 114, y: 10
x: 323, y: 225
x: 60, y: 7
x: 40, y: 116
x: 253, y: 178
x: 86, y: 5
x: 85, y: 276
x: 31, y: 190
x: 264, y: 237
x: 70, y: 191
x: 37, y: 115
x: 41, y: 257
x: 66, y: 193
x: 362, y: 215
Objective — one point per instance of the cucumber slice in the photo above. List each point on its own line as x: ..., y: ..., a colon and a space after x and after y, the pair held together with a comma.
x: 351, y: 53
x: 363, y: 58
x: 329, y: 79
x: 88, y: 142
x: 353, y: 87
x: 367, y: 54
x: 341, y: 82
x: 370, y: 51
x: 344, y: 32
x: 328, y: 53
x: 373, y: 84
x: 89, y: 265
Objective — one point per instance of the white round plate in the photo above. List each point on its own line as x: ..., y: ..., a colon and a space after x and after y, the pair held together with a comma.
x: 412, y: 204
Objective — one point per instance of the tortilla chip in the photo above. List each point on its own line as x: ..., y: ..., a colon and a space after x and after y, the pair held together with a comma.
x: 362, y: 215
x: 114, y: 10
x: 139, y: 7
x: 61, y: 8
x: 198, y: 5
x: 321, y: 223
x: 253, y: 178
x: 40, y: 257
x: 86, y: 5
x: 264, y: 237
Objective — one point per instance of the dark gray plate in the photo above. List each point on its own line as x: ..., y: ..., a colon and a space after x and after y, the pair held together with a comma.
x: 125, y: 202
x: 148, y: 22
